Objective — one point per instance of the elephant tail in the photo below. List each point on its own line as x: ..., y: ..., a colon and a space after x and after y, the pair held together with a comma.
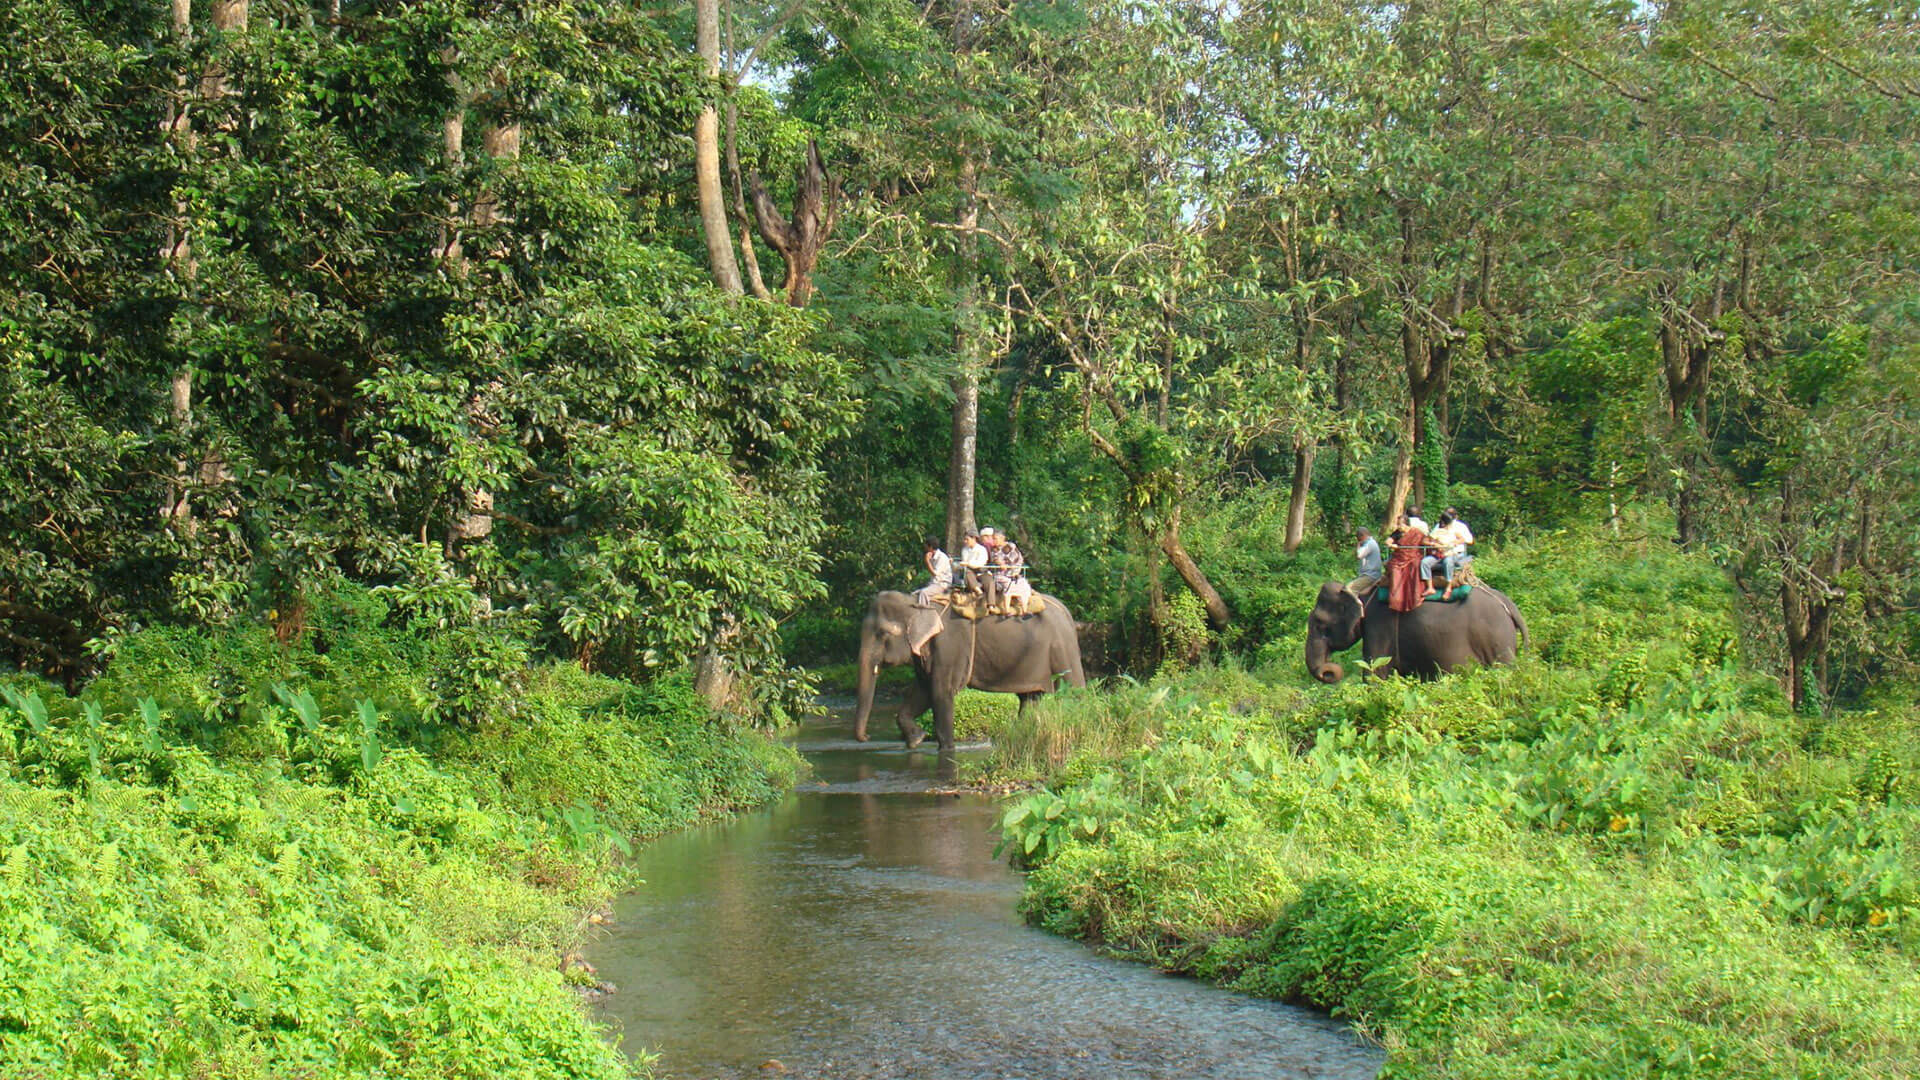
x: 1519, y: 620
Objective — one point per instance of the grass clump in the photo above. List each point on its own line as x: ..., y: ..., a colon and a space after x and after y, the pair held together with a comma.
x: 274, y: 883
x: 1631, y: 860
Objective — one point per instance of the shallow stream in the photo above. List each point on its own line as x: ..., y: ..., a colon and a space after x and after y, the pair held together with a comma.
x: 861, y: 929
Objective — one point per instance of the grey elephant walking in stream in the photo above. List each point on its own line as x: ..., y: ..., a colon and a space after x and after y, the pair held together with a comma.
x: 1432, y: 639
x: 1023, y: 655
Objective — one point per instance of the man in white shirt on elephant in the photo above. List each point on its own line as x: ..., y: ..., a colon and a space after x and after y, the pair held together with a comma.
x: 1452, y: 538
x: 973, y: 564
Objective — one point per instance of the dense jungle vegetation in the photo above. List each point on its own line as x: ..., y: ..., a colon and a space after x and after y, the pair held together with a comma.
x: 440, y: 430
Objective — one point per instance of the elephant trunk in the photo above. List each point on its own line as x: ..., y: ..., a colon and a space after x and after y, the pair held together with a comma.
x: 869, y: 671
x: 1319, y: 660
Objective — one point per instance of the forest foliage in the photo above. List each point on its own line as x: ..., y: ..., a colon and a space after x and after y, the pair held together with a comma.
x: 422, y: 295
x: 229, y: 858
x: 406, y: 449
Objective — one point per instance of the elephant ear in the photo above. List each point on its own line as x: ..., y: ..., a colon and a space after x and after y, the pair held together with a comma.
x: 923, y: 626
x: 1351, y: 609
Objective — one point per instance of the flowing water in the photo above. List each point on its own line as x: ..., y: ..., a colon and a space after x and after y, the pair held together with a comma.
x: 861, y: 929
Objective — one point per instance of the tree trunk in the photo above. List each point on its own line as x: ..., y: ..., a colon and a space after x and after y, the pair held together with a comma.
x: 815, y: 211
x: 1297, y: 501
x: 501, y: 141
x: 1402, y: 482
x: 1686, y: 353
x: 453, y: 135
x: 713, y: 677
x: 749, y: 258
x: 961, y: 459
x: 177, y: 253
x: 473, y: 518
x: 1797, y: 620
x: 706, y: 153
x: 961, y: 463
x: 1189, y: 571
x: 228, y: 16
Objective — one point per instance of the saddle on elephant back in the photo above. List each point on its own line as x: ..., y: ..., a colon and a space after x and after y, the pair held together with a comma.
x: 971, y: 605
x: 1462, y: 588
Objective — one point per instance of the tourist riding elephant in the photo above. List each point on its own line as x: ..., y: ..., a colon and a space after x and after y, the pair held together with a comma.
x: 1004, y: 654
x: 1484, y: 628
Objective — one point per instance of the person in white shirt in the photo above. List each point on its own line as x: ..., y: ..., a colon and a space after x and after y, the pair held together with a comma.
x: 973, y: 567
x: 940, y: 565
x: 1452, y: 539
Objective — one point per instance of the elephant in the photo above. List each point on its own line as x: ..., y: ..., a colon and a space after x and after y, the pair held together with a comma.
x: 1434, y: 638
x: 1021, y: 655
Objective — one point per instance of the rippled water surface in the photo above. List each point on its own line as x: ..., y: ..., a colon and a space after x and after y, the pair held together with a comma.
x: 862, y: 929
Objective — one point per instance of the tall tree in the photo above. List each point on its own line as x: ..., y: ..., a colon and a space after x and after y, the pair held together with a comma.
x: 706, y: 153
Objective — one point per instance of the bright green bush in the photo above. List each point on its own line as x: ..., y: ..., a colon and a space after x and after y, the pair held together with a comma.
x: 1622, y: 856
x: 255, y: 881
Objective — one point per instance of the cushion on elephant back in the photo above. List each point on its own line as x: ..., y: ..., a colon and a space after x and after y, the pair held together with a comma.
x: 1460, y: 592
x: 973, y: 606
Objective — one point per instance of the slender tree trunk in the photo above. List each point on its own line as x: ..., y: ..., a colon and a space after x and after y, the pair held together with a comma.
x: 706, y: 153
x: 961, y: 463
x: 1687, y: 338
x: 473, y: 518
x: 1189, y: 571
x: 176, y: 506
x: 1297, y: 501
x: 1402, y: 481
x: 1797, y: 621
x: 453, y: 134
x: 961, y: 460
x: 228, y: 16
x: 749, y: 258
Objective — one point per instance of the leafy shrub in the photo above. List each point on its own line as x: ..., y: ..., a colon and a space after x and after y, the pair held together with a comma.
x: 313, y: 890
x: 1620, y: 856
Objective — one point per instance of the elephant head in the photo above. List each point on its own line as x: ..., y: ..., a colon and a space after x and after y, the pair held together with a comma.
x: 889, y: 634
x: 1334, y: 625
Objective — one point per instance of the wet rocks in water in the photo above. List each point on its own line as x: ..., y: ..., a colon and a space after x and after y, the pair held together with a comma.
x: 599, y: 991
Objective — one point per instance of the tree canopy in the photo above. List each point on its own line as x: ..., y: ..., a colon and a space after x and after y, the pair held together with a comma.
x: 469, y: 301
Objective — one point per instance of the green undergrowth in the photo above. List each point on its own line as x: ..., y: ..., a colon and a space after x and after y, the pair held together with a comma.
x: 222, y: 860
x: 1622, y: 856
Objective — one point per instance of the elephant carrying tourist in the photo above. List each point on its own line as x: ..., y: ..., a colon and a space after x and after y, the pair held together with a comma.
x: 1004, y: 654
x: 1432, y: 639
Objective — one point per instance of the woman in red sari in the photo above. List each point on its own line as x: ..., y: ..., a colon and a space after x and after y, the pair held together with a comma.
x: 1405, y: 590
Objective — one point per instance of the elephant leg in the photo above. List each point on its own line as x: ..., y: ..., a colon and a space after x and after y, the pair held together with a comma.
x: 916, y: 703
x: 1380, y: 636
x: 1028, y: 699
x: 943, y: 721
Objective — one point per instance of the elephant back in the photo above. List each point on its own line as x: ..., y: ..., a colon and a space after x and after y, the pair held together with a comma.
x: 973, y: 606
